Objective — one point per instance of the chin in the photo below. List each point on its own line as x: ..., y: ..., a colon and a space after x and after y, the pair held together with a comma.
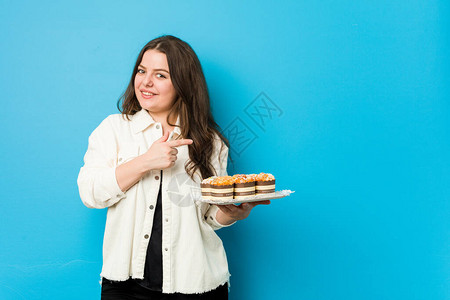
x: 147, y: 106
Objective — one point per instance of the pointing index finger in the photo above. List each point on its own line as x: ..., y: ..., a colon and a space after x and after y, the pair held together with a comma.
x: 178, y: 143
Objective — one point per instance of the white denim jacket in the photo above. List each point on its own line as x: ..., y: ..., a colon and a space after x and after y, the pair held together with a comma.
x: 194, y: 259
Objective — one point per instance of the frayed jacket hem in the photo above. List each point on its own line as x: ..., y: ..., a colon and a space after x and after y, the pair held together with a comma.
x: 183, y: 291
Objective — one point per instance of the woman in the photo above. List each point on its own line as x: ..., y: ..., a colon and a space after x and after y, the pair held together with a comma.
x: 155, y: 246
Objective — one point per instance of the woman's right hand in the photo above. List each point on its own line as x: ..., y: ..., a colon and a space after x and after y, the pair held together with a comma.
x: 163, y: 154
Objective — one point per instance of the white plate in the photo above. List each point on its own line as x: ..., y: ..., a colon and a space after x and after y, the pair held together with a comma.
x: 276, y: 195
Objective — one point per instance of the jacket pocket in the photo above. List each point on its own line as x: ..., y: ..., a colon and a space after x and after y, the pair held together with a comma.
x: 126, y: 154
x: 201, y: 208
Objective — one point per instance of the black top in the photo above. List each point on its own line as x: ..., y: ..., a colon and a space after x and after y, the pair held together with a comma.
x: 153, y: 262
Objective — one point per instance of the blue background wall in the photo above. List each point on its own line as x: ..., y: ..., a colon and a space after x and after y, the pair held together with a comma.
x: 357, y: 125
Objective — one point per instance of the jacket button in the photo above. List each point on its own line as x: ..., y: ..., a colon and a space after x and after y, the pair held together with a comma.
x: 157, y: 126
x: 157, y: 177
x: 151, y: 206
x: 146, y: 236
x: 166, y: 249
x: 120, y: 159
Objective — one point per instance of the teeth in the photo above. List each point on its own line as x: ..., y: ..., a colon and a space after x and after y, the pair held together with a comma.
x: 147, y: 94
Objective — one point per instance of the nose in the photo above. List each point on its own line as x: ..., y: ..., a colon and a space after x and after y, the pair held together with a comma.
x: 147, y: 80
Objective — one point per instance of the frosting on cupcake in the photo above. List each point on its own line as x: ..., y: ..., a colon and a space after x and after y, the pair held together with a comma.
x: 265, y: 177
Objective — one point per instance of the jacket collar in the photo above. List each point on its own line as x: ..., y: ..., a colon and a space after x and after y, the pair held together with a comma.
x: 142, y: 120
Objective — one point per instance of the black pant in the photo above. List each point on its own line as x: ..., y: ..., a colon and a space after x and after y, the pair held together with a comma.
x: 130, y: 290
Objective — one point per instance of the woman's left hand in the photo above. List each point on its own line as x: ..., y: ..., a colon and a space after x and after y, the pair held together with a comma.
x: 231, y: 213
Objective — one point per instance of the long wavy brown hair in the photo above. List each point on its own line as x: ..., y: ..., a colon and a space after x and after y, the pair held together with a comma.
x: 192, y: 104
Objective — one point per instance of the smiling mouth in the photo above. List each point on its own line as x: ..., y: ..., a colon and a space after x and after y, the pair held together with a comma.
x: 147, y: 95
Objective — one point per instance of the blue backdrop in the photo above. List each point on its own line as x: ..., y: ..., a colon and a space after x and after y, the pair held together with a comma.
x: 346, y: 102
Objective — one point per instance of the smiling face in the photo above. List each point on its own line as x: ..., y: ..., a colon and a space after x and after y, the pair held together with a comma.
x: 153, y: 86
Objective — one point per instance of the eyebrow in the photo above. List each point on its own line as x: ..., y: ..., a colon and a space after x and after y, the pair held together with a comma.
x: 155, y: 69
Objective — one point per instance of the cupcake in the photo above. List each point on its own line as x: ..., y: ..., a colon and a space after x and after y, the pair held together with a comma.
x: 206, y: 187
x: 244, y: 186
x: 222, y: 188
x: 265, y: 183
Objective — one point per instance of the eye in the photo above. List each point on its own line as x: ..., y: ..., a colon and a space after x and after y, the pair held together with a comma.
x: 140, y: 71
x: 160, y: 75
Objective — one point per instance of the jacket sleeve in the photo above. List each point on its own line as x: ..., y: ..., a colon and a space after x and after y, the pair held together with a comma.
x: 97, y: 182
x: 220, y: 160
